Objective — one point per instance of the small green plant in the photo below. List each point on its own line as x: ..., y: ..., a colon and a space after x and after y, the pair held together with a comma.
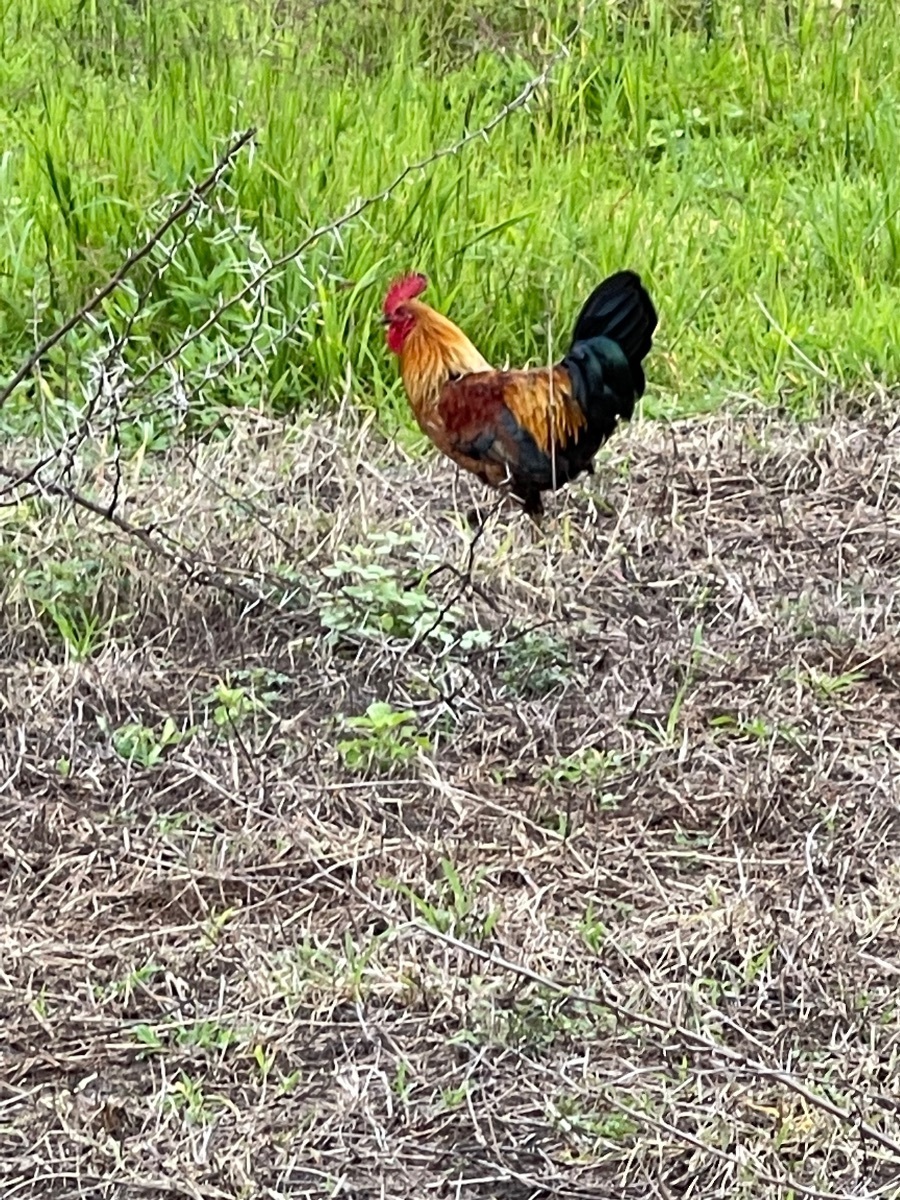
x: 40, y: 1006
x: 243, y: 695
x: 215, y: 923
x: 205, y: 1035
x: 308, y: 968
x: 610, y: 1126
x: 830, y: 686
x: 288, y: 1082
x: 147, y: 1038
x: 454, y: 907
x: 556, y: 820
x: 535, y: 664
x: 587, y: 766
x: 756, y: 728
x: 188, y: 1096
x: 587, y: 771
x: 144, y: 745
x: 232, y: 705
x: 265, y: 1061
x: 454, y: 1097
x: 373, y: 602
x: 385, y: 739
x: 539, y: 1019
x: 81, y: 631
x: 666, y: 733
x: 61, y: 594
x: 376, y: 604
x: 125, y: 988
x: 759, y: 963
x: 169, y: 823
x: 402, y: 1085
x: 593, y: 930
x: 345, y: 970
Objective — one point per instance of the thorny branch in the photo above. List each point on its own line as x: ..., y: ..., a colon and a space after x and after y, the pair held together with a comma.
x: 196, y: 193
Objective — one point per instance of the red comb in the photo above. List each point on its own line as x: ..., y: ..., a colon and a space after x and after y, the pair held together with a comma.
x: 403, y: 289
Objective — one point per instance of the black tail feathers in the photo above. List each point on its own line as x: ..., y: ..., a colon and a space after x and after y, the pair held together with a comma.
x: 620, y: 309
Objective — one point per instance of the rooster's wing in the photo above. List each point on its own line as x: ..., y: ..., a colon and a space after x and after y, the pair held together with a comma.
x: 519, y: 427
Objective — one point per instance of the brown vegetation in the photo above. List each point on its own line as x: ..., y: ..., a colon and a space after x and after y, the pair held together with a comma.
x: 605, y: 904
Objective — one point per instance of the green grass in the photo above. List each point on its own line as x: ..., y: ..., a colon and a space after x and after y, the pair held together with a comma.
x: 741, y: 156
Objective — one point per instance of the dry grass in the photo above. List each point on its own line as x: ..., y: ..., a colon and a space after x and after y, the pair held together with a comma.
x: 660, y: 784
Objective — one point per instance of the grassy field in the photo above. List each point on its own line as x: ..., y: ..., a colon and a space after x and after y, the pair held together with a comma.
x: 740, y: 156
x: 345, y: 852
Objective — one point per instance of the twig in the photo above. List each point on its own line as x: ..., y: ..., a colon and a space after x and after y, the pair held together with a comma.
x: 196, y: 570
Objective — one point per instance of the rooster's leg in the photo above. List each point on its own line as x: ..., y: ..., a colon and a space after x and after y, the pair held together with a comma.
x: 532, y: 504
x: 477, y: 518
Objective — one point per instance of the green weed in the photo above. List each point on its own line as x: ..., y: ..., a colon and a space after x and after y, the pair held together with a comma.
x: 535, y: 664
x: 385, y: 738
x: 571, y: 1116
x: 207, y: 1036
x: 585, y: 770
x: 371, y: 601
x: 347, y: 969
x: 66, y: 597
x: 143, y: 745
x: 125, y: 988
x: 830, y: 686
x: 452, y: 906
x: 189, y: 1097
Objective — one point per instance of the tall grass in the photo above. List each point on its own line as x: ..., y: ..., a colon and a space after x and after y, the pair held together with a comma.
x: 741, y: 156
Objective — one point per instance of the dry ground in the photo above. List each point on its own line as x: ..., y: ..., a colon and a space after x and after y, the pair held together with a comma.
x: 614, y: 912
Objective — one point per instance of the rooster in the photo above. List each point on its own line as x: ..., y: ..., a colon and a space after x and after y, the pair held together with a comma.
x: 532, y: 430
